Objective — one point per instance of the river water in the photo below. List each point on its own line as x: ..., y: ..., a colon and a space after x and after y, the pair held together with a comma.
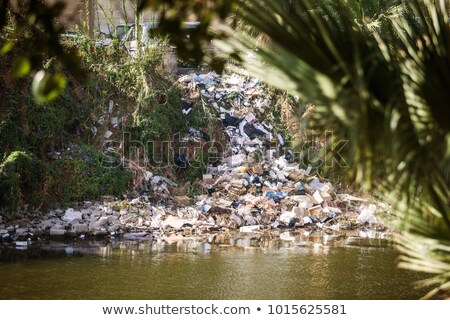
x: 236, y: 266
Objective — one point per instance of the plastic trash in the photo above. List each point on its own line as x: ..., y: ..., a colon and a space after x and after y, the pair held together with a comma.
x: 289, y: 156
x: 299, y: 186
x: 281, y: 195
x: 211, y: 190
x: 270, y: 194
x: 280, y: 139
x: 307, y: 220
x: 187, y: 107
x: 230, y: 121
x: 181, y: 161
x: 287, y: 216
x: 252, y: 132
x: 367, y: 215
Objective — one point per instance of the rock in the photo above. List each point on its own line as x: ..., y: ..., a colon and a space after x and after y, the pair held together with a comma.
x: 183, y: 200
x: 135, y: 201
x: 206, y: 247
x: 347, y: 197
x: 98, y: 224
x: 100, y: 233
x: 86, y: 213
x: 138, y: 236
x: 125, y: 218
x: 156, y: 223
x: 95, y: 214
x: 46, y: 224
x: 112, y: 220
x: 80, y: 228
x: 108, y: 210
x: 10, y: 228
x: 21, y: 230
x: 113, y: 228
x: 57, y: 231
x: 21, y: 244
x: 58, y: 212
x: 36, y: 232
x: 71, y: 215
x: 3, y: 231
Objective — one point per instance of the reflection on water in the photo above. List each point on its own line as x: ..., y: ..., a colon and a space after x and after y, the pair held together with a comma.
x: 222, y: 266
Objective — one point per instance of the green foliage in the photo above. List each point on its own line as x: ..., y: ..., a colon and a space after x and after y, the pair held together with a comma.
x: 21, y: 67
x: 11, y: 135
x: 47, y: 87
x: 86, y: 173
x: 31, y: 25
x: 47, y: 126
x: 196, y: 168
x: 162, y: 121
x: 51, y: 127
x: 23, y: 179
x: 193, y: 189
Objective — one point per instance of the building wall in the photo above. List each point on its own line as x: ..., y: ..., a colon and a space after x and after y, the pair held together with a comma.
x: 116, y: 12
x: 100, y: 13
x: 72, y: 14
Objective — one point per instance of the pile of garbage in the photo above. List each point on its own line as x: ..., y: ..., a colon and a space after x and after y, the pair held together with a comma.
x: 258, y: 185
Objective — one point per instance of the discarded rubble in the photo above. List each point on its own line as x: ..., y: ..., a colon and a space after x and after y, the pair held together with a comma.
x: 257, y: 186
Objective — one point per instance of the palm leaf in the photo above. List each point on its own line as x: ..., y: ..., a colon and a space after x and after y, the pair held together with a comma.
x: 379, y: 73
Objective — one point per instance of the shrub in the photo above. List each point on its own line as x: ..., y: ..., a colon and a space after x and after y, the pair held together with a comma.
x: 86, y: 173
x: 23, y: 178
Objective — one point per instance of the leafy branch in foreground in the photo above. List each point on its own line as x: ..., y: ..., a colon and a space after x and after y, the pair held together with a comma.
x: 384, y: 85
x: 32, y: 25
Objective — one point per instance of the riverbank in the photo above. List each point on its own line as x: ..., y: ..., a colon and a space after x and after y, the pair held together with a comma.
x: 251, y: 180
x: 141, y: 220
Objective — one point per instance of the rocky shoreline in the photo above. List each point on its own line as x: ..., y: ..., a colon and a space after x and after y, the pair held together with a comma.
x: 140, y: 220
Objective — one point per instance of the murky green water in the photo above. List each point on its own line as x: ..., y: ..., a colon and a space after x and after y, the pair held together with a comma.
x: 223, y: 267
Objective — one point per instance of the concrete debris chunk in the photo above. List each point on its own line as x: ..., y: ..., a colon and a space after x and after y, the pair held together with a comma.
x: 255, y: 184
x: 71, y: 215
x: 250, y: 228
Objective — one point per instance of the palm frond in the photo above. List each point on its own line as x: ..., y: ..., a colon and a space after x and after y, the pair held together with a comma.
x: 379, y: 73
